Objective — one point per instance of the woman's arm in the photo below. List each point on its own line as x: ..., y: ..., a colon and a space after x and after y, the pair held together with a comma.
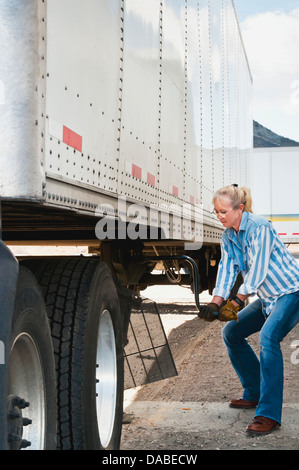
x: 226, y: 276
x: 260, y: 248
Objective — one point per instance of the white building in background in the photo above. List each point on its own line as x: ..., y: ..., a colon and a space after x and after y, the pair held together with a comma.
x: 275, y: 188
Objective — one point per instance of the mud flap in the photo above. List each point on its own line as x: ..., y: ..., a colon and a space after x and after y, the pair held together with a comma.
x: 9, y: 269
x: 148, y: 356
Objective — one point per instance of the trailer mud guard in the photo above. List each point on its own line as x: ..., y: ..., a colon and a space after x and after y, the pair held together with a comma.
x: 9, y: 269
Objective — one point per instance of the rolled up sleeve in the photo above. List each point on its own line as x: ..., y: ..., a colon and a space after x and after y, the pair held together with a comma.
x: 227, y: 273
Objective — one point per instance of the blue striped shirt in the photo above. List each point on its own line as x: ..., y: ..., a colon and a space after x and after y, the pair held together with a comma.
x: 268, y: 268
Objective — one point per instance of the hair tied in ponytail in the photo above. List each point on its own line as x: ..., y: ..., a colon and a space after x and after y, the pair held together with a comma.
x: 236, y: 195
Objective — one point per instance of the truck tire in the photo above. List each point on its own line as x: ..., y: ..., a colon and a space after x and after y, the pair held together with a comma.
x: 31, y: 371
x: 85, y: 319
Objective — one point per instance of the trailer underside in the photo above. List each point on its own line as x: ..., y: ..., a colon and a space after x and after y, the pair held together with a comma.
x: 30, y: 222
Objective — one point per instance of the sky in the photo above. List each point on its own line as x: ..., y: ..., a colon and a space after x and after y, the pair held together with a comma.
x: 270, y: 31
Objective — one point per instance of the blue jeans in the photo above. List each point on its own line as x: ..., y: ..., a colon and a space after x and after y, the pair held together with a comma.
x: 262, y: 379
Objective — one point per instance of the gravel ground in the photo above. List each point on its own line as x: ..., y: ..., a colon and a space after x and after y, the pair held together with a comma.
x: 190, y: 411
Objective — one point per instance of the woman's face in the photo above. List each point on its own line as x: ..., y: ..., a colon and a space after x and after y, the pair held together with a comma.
x: 228, y: 216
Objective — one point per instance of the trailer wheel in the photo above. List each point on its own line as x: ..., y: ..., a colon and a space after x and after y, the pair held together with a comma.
x: 84, y: 313
x: 102, y: 348
x: 31, y: 400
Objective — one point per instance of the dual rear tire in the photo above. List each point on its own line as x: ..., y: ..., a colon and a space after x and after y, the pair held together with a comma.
x: 31, y: 372
x: 67, y: 349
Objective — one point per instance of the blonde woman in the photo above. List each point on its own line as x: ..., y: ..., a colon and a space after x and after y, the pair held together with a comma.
x: 250, y: 245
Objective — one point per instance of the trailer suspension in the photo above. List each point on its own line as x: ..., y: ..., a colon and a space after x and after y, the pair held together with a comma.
x: 193, y: 265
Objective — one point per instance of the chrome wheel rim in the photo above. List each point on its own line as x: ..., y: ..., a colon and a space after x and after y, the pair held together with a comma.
x: 26, y: 380
x: 106, y: 379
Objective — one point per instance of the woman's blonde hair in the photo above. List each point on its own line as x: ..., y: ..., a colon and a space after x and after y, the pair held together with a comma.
x: 236, y: 195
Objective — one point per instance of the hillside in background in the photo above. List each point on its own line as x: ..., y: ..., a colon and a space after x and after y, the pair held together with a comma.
x: 263, y: 137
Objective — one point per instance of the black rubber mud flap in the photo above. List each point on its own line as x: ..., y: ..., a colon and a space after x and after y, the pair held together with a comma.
x: 9, y: 269
x: 148, y: 357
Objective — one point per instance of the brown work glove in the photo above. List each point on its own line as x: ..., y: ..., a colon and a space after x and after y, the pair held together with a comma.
x: 229, y: 312
x: 209, y: 312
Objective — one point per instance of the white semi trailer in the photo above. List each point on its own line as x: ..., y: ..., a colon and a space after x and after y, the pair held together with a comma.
x: 119, y: 119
